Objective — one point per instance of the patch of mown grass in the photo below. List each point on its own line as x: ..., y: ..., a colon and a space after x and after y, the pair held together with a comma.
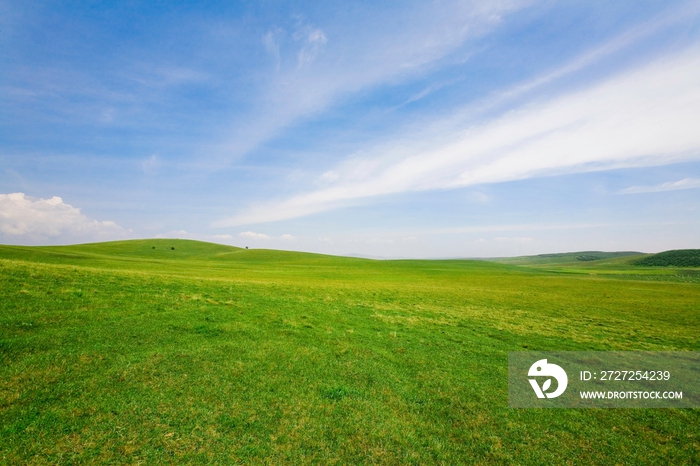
x: 111, y: 356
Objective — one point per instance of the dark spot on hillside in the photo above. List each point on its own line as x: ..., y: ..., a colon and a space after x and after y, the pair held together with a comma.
x: 5, y: 347
x: 673, y: 258
x: 230, y: 422
x: 207, y: 331
x: 586, y: 258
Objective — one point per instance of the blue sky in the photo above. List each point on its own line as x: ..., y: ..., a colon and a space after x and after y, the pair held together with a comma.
x: 388, y: 129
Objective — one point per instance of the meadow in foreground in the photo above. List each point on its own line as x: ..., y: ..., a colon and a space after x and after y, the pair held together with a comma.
x: 138, y: 353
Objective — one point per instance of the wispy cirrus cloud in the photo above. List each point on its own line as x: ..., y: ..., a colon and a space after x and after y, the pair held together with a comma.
x: 313, y: 42
x: 625, y: 39
x: 643, y: 117
x: 390, y: 49
x: 685, y: 183
x: 374, y: 48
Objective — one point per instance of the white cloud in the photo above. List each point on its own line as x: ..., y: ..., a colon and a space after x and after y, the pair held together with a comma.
x: 390, y: 46
x: 286, y: 237
x: 623, y: 40
x: 644, y: 117
x: 271, y: 43
x: 314, y: 41
x: 427, y: 91
x: 226, y: 237
x: 269, y: 40
x: 26, y: 219
x: 253, y: 235
x: 686, y: 183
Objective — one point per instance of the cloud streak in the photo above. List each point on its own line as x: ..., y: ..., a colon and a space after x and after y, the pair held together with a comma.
x: 643, y: 117
x: 686, y: 183
x: 337, y: 61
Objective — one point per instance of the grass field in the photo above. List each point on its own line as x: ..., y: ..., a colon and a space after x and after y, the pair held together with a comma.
x: 137, y: 353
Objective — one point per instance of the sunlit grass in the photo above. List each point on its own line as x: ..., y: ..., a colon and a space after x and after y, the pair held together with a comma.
x: 121, y: 353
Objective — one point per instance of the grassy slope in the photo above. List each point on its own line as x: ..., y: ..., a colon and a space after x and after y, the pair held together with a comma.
x: 625, y: 265
x: 568, y: 258
x: 675, y: 258
x: 119, y: 353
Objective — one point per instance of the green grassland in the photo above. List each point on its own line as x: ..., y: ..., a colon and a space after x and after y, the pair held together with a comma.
x: 138, y: 353
x: 622, y: 265
x: 568, y: 258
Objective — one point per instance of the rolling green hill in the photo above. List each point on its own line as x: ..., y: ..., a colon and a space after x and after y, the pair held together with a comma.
x: 675, y: 258
x: 567, y: 258
x: 137, y: 353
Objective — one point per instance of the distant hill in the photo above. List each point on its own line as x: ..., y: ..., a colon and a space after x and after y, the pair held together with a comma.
x: 674, y: 258
x: 160, y: 251
x: 566, y: 257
